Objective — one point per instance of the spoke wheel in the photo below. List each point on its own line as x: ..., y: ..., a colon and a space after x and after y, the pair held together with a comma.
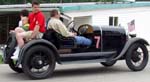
x: 39, y: 62
x: 9, y: 50
x: 137, y: 57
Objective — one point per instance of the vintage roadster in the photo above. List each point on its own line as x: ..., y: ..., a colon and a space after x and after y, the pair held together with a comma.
x: 38, y: 57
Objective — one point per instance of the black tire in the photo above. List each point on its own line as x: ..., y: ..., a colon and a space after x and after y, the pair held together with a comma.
x: 12, y: 66
x: 9, y: 50
x: 108, y: 64
x: 33, y: 56
x: 133, y: 54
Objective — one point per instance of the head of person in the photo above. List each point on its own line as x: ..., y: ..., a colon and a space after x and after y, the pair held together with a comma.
x: 35, y: 6
x: 24, y: 13
x: 55, y: 14
x: 24, y: 20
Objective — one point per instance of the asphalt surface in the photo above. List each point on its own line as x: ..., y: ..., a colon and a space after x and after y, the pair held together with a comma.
x: 83, y: 73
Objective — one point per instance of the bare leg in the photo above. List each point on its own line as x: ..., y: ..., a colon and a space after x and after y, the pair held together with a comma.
x: 20, y: 37
x: 19, y: 30
x: 20, y: 41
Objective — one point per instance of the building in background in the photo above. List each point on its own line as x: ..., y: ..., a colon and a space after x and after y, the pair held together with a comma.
x: 2, y: 2
x: 113, y: 14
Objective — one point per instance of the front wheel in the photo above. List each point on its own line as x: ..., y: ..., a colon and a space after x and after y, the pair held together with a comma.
x: 39, y: 62
x: 137, y: 57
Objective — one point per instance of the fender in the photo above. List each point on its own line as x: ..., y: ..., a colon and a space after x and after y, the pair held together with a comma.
x: 128, y: 44
x: 37, y: 42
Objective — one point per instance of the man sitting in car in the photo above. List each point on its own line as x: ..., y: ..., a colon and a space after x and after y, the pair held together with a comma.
x: 57, y: 25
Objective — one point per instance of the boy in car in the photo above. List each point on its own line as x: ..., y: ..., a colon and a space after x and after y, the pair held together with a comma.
x: 21, y: 31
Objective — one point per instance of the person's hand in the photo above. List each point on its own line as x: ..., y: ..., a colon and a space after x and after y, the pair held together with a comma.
x: 29, y: 39
x: 75, y: 34
x: 11, y: 31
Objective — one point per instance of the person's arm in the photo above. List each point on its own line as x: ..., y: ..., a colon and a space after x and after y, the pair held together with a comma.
x: 35, y: 31
x: 63, y: 30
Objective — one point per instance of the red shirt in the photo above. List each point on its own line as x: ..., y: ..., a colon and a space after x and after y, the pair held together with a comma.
x: 37, y: 19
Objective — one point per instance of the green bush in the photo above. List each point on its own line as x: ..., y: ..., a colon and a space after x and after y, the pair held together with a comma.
x: 1, y: 59
x: 1, y: 56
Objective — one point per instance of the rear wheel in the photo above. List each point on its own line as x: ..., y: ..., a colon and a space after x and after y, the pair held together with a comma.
x: 108, y: 64
x: 39, y: 62
x: 137, y: 57
x: 9, y: 50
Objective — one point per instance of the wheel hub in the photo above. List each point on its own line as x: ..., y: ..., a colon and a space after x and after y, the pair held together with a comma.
x: 136, y: 56
x: 37, y: 62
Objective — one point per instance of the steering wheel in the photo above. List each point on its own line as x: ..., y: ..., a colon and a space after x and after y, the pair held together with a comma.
x: 71, y: 26
x: 83, y: 29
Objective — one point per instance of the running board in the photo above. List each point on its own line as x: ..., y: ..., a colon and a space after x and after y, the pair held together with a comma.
x: 84, y: 61
x: 86, y: 56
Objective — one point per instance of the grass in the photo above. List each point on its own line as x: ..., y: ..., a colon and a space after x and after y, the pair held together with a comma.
x: 1, y: 59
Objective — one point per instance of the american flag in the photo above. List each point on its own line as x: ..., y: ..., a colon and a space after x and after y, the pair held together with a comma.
x: 131, y: 26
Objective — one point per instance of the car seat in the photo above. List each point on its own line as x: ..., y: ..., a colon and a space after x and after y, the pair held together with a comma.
x: 58, y: 40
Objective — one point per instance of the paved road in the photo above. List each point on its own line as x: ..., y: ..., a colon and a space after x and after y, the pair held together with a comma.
x: 83, y: 73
